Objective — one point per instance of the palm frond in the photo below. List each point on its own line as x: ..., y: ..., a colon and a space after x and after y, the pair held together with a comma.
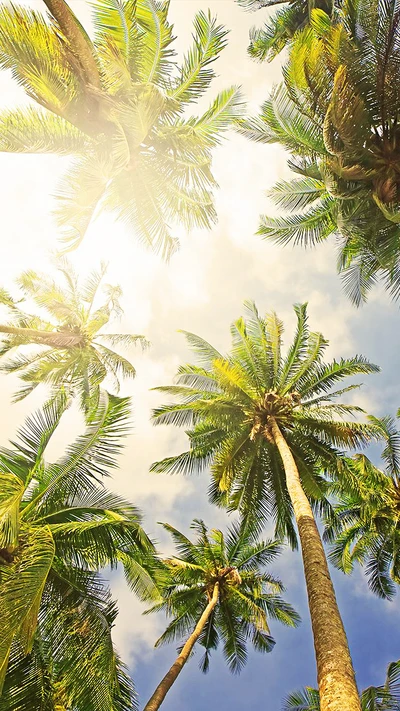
x: 21, y: 590
x: 31, y: 131
x: 209, y: 39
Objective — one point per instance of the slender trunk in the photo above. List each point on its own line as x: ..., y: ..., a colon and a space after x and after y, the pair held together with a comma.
x: 78, y: 39
x: 165, y: 684
x: 336, y: 680
x: 45, y: 338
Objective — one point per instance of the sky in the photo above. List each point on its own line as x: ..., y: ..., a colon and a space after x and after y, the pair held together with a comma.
x: 202, y: 290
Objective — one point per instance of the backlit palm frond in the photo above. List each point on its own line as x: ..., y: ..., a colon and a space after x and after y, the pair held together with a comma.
x: 31, y: 131
x: 79, y: 194
x: 155, y: 53
x: 306, y: 229
x: 115, y: 25
x: 278, y: 31
x: 297, y: 194
x: 33, y: 52
x: 209, y: 39
x: 139, y: 199
x: 225, y: 109
x: 282, y: 121
x: 87, y: 460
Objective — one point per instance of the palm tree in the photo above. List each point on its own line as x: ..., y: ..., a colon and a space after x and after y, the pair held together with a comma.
x: 63, y: 665
x: 74, y: 352
x: 282, y: 26
x: 117, y: 104
x: 215, y: 591
x: 364, y: 525
x: 336, y: 113
x: 58, y: 527
x: 375, y: 698
x: 266, y: 426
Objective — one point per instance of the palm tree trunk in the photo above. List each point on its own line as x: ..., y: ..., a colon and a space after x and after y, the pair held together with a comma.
x: 78, y: 39
x: 336, y: 680
x: 45, y: 338
x: 165, y: 684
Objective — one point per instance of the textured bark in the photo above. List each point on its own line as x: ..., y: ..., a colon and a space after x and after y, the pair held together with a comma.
x: 78, y: 39
x: 45, y: 338
x: 336, y: 680
x: 165, y: 684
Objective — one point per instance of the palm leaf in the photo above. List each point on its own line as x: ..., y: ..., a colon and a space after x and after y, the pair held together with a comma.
x: 21, y: 591
x: 11, y: 492
x: 209, y: 39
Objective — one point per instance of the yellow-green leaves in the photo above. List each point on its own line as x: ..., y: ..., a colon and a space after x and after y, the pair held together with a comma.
x: 11, y: 491
x: 21, y: 587
x: 346, y: 120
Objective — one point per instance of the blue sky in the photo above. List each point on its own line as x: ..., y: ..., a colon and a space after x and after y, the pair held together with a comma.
x: 202, y: 290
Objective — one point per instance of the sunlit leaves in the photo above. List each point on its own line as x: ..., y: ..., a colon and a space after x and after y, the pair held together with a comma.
x: 220, y: 404
x: 336, y: 112
x: 59, y: 526
x: 72, y: 353
x: 138, y: 154
x: 247, y: 595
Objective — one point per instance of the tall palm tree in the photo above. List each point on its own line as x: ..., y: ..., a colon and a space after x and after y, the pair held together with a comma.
x: 118, y: 105
x: 74, y: 351
x: 364, y: 525
x: 266, y: 424
x: 280, y: 28
x: 58, y: 527
x: 336, y: 113
x: 216, y: 591
x: 375, y: 698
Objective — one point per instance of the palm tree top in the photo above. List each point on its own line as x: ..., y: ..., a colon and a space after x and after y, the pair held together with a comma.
x: 118, y: 105
x: 228, y: 404
x: 70, y: 327
x: 248, y: 596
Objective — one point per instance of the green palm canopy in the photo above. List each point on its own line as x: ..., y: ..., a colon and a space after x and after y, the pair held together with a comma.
x: 336, y: 113
x: 225, y: 403
x: 217, y: 591
x: 118, y: 104
x: 68, y: 345
x: 364, y: 525
x: 58, y: 527
x: 374, y: 698
x: 281, y: 27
